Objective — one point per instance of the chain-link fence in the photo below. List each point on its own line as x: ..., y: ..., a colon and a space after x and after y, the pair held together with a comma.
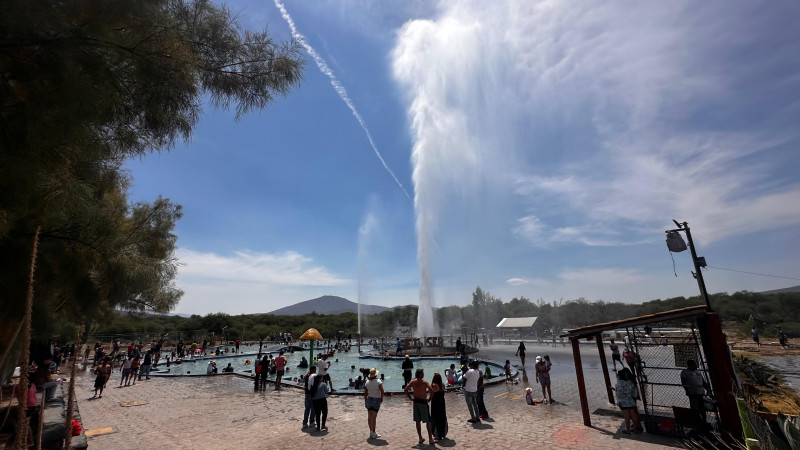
x: 658, y: 353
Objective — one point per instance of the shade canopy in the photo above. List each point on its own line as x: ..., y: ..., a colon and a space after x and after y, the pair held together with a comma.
x: 311, y: 334
x: 516, y: 322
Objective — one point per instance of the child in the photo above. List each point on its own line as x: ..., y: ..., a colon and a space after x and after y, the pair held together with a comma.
x: 529, y: 396
x: 450, y: 373
x: 507, y: 368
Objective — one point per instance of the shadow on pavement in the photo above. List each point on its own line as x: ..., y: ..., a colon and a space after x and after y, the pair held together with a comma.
x: 378, y: 442
x: 446, y: 442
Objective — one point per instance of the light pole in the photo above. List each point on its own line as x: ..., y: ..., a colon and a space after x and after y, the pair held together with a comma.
x: 674, y: 242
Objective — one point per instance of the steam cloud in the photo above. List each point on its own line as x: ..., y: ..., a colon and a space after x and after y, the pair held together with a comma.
x: 337, y: 85
x: 368, y: 228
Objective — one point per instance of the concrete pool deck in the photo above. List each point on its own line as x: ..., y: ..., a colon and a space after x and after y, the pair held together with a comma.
x: 224, y: 412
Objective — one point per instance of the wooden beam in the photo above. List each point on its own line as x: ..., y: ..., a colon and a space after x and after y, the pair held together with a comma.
x: 604, y: 367
x: 576, y: 354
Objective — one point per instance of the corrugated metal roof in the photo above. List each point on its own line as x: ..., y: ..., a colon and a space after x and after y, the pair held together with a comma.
x: 516, y: 322
x: 591, y: 330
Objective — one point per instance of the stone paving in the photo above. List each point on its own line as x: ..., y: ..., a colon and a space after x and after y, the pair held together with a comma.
x: 223, y: 412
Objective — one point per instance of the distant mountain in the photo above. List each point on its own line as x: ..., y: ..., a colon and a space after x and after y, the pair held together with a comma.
x: 778, y: 291
x: 327, y: 304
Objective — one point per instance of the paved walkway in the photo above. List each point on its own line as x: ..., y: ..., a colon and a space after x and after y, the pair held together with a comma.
x: 223, y: 412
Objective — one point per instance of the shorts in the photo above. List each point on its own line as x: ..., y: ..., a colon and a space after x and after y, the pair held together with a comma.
x: 279, y: 373
x: 626, y: 408
x: 421, y: 412
x: 373, y: 403
x: 615, y: 357
x: 126, y: 372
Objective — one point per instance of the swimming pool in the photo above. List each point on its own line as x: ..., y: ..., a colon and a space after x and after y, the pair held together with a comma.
x: 343, y: 367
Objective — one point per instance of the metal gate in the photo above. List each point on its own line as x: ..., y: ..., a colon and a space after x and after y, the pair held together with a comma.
x: 660, y: 352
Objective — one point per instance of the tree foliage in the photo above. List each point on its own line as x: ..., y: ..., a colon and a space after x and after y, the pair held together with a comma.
x: 745, y: 308
x: 85, y: 84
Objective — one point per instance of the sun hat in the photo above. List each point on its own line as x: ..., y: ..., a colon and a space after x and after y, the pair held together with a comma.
x: 529, y: 390
x: 406, y: 356
x: 538, y: 358
x: 373, y: 373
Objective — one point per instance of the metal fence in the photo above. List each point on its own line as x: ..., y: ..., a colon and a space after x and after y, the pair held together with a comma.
x: 661, y: 351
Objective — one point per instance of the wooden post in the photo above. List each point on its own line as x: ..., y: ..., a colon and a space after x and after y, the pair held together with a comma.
x: 604, y: 367
x: 721, y: 372
x: 71, y: 390
x: 25, y: 354
x: 576, y: 354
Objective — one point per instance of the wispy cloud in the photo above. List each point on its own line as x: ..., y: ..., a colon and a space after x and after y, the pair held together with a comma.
x: 608, y: 115
x: 517, y: 281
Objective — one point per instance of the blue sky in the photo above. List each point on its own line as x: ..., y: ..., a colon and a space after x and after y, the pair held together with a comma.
x: 545, y: 146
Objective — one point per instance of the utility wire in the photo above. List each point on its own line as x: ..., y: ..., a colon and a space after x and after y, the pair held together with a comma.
x: 753, y: 273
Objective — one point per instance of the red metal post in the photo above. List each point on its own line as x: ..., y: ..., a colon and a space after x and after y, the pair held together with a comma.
x: 604, y: 366
x: 721, y: 372
x: 576, y: 354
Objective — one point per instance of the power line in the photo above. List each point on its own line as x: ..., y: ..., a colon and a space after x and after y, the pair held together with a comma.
x: 754, y: 273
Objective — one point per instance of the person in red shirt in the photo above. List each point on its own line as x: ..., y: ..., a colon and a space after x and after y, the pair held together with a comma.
x: 280, y: 365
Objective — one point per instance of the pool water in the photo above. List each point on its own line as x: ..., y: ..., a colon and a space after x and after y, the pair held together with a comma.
x: 340, y: 371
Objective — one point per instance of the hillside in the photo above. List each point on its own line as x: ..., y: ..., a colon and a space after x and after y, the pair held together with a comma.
x: 780, y: 291
x: 327, y: 304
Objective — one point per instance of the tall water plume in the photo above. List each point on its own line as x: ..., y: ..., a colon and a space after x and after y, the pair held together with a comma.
x: 443, y: 155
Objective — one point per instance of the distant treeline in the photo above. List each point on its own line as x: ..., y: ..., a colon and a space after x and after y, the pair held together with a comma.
x: 745, y: 308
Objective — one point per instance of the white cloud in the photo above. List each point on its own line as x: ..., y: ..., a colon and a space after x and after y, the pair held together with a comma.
x: 620, y: 116
x: 516, y: 281
x: 530, y: 228
x: 283, y: 269
x: 248, y: 281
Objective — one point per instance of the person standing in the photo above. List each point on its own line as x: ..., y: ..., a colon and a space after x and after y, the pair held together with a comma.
x: 471, y: 393
x: 482, y: 412
x: 626, y: 400
x: 145, y: 369
x: 322, y: 370
x: 547, y: 366
x: 421, y: 398
x: 126, y: 370
x: 320, y: 402
x: 438, y: 408
x: 103, y: 373
x: 614, y: 353
x: 630, y: 358
x: 521, y: 352
x: 543, y: 377
x: 264, y: 372
x: 308, y: 412
x: 695, y: 386
x: 782, y: 338
x: 373, y: 397
x: 236, y: 342
x: 407, y: 366
x: 280, y: 365
x: 458, y: 345
x: 755, y: 336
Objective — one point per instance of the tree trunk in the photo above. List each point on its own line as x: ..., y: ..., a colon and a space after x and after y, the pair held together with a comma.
x: 24, y: 359
x: 71, y: 394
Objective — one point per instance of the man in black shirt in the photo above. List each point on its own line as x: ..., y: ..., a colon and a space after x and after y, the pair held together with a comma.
x: 407, y: 366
